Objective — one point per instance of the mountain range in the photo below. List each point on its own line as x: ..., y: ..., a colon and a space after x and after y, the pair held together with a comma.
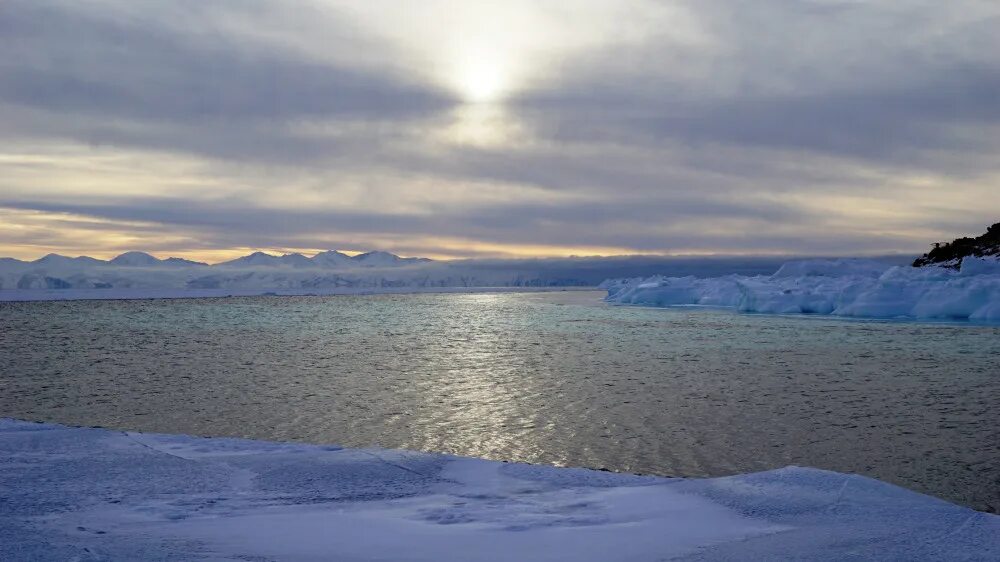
x: 331, y: 259
x: 331, y: 270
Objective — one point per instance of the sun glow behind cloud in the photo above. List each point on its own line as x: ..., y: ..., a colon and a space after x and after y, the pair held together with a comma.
x: 447, y: 128
x: 488, y: 52
x: 480, y: 82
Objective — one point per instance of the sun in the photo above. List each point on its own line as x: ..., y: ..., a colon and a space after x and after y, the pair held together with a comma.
x: 481, y: 73
x: 481, y: 84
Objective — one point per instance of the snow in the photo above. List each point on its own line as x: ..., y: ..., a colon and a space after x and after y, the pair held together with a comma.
x: 140, y: 275
x: 59, y: 277
x: 136, y: 259
x: 331, y: 258
x: 260, y: 259
x: 852, y: 288
x: 97, y: 494
x: 383, y: 259
x: 57, y: 261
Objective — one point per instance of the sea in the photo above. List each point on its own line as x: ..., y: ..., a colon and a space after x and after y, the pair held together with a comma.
x: 559, y: 378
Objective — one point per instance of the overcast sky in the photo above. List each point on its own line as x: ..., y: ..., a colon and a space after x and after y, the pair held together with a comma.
x: 207, y: 128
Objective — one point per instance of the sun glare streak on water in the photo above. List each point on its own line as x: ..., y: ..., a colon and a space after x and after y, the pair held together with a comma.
x: 555, y: 378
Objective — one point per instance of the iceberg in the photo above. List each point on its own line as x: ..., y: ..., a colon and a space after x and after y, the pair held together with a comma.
x: 97, y: 494
x: 846, y: 287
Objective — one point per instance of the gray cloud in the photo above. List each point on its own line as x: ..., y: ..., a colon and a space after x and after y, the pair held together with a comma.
x: 662, y: 227
x: 80, y: 61
x: 651, y: 145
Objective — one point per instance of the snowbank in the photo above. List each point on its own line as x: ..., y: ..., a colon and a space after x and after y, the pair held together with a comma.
x: 856, y: 288
x: 95, y: 494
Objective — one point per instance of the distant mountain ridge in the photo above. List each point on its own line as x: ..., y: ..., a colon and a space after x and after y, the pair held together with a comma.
x: 383, y: 259
x: 950, y: 254
x: 324, y: 260
x: 142, y: 259
x: 332, y: 270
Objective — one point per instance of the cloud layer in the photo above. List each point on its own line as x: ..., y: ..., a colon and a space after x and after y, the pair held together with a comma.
x: 456, y: 129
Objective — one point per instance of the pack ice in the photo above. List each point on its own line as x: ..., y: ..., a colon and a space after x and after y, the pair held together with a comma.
x: 844, y: 287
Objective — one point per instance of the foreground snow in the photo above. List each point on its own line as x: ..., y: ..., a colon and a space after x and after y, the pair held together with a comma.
x: 856, y: 288
x: 94, y: 494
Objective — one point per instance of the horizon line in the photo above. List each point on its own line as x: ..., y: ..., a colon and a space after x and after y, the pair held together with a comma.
x: 354, y: 253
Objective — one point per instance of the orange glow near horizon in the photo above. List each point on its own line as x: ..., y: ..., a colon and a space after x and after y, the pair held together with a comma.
x: 454, y: 253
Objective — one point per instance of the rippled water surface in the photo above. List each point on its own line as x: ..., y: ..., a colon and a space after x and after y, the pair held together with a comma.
x: 555, y: 378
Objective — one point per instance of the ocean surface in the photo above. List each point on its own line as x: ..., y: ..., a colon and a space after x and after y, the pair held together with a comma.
x: 558, y: 378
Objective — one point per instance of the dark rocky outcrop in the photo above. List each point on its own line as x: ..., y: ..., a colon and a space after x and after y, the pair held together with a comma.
x: 950, y: 254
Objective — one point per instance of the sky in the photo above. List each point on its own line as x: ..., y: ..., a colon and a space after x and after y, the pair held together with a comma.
x: 452, y: 129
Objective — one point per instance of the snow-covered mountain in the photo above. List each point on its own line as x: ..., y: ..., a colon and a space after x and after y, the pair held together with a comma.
x: 135, y: 259
x: 181, y: 262
x: 256, y: 259
x: 142, y: 259
x: 384, y: 259
x: 259, y: 270
x: 334, y: 271
x: 55, y: 260
x: 331, y: 259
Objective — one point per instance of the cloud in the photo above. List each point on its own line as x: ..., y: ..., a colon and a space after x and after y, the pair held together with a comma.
x: 774, y: 126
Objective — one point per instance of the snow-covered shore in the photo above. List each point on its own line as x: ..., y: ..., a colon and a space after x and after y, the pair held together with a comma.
x: 97, y: 494
x: 851, y: 288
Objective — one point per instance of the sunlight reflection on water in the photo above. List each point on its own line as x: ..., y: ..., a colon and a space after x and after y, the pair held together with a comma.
x: 557, y: 378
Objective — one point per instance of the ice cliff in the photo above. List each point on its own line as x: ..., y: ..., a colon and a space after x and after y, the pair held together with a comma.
x: 854, y: 288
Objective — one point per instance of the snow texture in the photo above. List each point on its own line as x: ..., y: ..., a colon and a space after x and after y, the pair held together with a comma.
x: 854, y: 288
x: 97, y: 494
